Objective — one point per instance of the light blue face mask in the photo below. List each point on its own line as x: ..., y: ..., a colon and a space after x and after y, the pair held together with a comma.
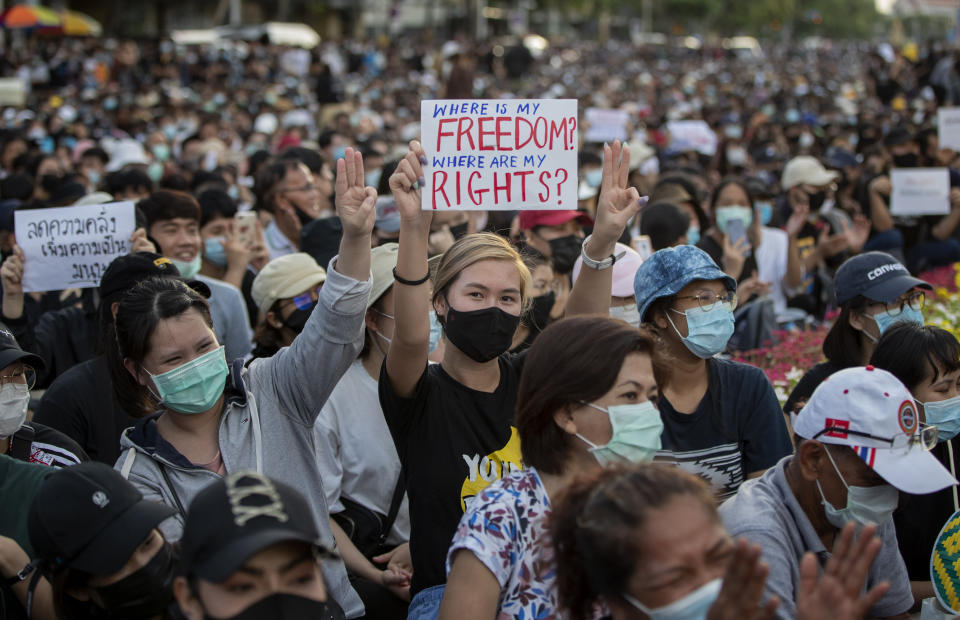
x: 594, y: 177
x: 339, y: 152
x: 372, y: 178
x: 436, y: 330
x: 726, y: 214
x: 193, y: 387
x: 693, y: 606
x: 161, y: 152
x: 155, y: 171
x: 766, y: 212
x: 213, y: 251
x: 865, y: 505
x: 885, y: 321
x: 94, y: 177
x: 693, y: 235
x: 707, y: 332
x: 188, y: 269
x: 945, y: 415
x: 636, y: 434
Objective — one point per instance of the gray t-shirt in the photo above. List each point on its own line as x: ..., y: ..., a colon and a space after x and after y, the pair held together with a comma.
x: 766, y: 513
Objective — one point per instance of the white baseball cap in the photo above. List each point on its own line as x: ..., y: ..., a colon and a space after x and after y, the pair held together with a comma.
x: 806, y: 169
x: 383, y: 259
x: 869, y: 410
x: 624, y: 270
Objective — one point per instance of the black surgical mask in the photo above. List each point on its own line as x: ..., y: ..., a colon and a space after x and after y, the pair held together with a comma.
x: 482, y: 335
x: 298, y: 319
x: 564, y: 252
x: 281, y: 606
x: 459, y: 230
x: 302, y: 216
x: 816, y: 200
x: 145, y: 593
x: 907, y: 160
x: 540, y: 311
x: 50, y: 182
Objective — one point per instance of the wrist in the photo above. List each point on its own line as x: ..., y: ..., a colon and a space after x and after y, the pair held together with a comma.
x: 599, y: 247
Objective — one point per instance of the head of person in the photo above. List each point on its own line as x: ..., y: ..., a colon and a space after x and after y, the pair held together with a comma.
x: 128, y: 184
x: 859, y: 441
x: 623, y: 305
x: 731, y: 200
x: 806, y: 177
x: 601, y: 410
x: 480, y: 289
x: 167, y: 355
x: 173, y: 221
x: 93, y: 163
x: 666, y: 224
x: 379, y: 319
x: 96, y: 540
x: 542, y: 293
x: 643, y: 539
x: 250, y: 549
x: 18, y: 372
x: 217, y: 210
x: 289, y: 184
x: 926, y: 359
x: 558, y: 235
x: 680, y: 190
x: 903, y: 150
x: 846, y: 164
x: 687, y: 300
x: 874, y: 291
x: 386, y: 229
x: 286, y: 292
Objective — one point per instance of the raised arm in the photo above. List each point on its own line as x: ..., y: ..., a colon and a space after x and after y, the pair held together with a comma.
x: 408, y: 352
x: 617, y: 204
x: 354, y: 204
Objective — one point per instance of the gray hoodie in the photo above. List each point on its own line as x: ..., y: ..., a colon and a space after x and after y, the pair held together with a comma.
x: 267, y: 422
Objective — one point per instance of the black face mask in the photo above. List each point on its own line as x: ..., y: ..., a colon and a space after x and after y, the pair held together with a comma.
x: 298, y: 319
x: 482, y: 335
x: 564, y: 252
x: 282, y: 606
x: 459, y: 230
x: 302, y: 216
x: 50, y: 182
x: 816, y: 200
x: 145, y: 593
x: 540, y: 311
x: 907, y: 160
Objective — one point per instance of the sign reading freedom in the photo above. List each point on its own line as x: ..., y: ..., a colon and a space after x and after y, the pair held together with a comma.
x: 507, y: 155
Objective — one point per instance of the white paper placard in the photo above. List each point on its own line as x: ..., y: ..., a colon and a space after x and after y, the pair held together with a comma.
x: 499, y: 155
x: 692, y: 136
x: 920, y: 191
x: 948, y: 128
x: 605, y: 125
x: 70, y: 247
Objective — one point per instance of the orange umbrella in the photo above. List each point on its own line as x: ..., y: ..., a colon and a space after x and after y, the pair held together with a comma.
x: 23, y: 17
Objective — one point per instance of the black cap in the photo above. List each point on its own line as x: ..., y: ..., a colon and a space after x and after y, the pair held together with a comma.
x: 841, y: 158
x: 11, y: 352
x: 876, y: 276
x: 236, y: 517
x: 127, y: 270
x: 90, y: 518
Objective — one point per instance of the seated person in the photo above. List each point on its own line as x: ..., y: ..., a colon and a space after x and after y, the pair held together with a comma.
x: 667, y: 225
x: 859, y: 441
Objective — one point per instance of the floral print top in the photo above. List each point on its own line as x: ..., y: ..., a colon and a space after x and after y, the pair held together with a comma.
x: 505, y: 528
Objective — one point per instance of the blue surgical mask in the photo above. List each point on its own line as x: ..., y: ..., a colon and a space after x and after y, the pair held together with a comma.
x: 693, y: 235
x: 94, y: 177
x: 945, y: 415
x: 233, y: 192
x: 339, y: 152
x: 865, y: 505
x: 193, y: 387
x: 726, y: 214
x: 170, y: 131
x: 594, y: 177
x: 885, y: 321
x: 188, y: 269
x: 636, y: 434
x: 161, y: 152
x: 766, y: 212
x: 436, y: 330
x: 213, y: 251
x: 693, y: 606
x: 155, y: 171
x: 372, y: 178
x: 707, y: 332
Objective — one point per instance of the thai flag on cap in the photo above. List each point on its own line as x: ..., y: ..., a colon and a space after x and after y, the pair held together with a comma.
x: 867, y: 454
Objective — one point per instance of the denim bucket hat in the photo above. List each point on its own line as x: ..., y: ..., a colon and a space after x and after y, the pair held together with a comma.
x: 669, y: 270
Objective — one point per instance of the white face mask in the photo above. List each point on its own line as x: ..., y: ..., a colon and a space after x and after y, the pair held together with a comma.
x: 14, y: 402
x: 693, y: 606
x: 865, y: 505
x: 628, y: 313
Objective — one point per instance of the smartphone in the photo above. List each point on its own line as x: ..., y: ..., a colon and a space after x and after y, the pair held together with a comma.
x: 643, y: 246
x: 245, y: 227
x: 736, y: 231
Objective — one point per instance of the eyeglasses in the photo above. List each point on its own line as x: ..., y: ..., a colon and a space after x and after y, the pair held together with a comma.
x: 25, y: 375
x: 309, y: 187
x: 708, y: 301
x: 916, y: 301
x: 925, y: 438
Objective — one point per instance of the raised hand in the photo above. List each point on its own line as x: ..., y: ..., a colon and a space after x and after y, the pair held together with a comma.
x: 406, y: 182
x: 355, y: 202
x: 140, y: 243
x: 742, y: 590
x: 798, y: 218
x: 734, y: 256
x: 11, y: 273
x: 617, y: 203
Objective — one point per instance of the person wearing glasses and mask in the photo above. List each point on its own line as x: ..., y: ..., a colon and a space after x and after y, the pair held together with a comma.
x: 721, y: 419
x: 874, y: 291
x: 860, y: 442
x: 288, y: 189
x: 28, y: 441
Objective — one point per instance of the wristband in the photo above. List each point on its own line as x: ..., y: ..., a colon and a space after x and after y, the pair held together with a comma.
x: 406, y: 282
x: 20, y: 576
x: 599, y: 265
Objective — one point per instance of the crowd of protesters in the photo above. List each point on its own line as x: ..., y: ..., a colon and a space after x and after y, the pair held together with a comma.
x: 302, y: 396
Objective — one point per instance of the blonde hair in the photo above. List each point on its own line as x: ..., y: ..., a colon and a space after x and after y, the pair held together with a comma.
x: 472, y: 249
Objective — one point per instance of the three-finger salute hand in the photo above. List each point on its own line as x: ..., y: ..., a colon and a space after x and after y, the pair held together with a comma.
x: 354, y: 201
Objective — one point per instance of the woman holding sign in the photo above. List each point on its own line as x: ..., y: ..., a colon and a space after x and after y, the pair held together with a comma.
x: 452, y: 422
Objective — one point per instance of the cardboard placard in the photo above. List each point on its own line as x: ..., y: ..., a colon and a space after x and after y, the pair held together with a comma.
x: 920, y: 191
x: 604, y: 125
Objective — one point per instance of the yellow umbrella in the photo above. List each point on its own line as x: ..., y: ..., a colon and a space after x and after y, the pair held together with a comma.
x: 77, y: 24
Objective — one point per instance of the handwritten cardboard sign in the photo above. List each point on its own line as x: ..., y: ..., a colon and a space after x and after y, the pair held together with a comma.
x: 692, y: 136
x: 70, y: 247
x: 948, y: 128
x: 920, y: 191
x: 605, y: 125
x: 507, y: 155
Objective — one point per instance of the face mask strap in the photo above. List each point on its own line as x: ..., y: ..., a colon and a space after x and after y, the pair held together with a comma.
x: 637, y: 604
x: 674, y: 326
x: 835, y: 468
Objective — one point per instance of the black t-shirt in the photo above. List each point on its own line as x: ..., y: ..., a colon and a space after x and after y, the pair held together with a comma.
x: 737, y: 429
x: 809, y: 382
x: 82, y: 405
x: 919, y: 519
x: 453, y: 442
x: 36, y: 443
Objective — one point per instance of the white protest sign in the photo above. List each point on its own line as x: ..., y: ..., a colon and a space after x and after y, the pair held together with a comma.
x: 920, y: 191
x: 605, y: 125
x: 70, y: 247
x: 948, y: 128
x: 507, y: 155
x: 692, y: 136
